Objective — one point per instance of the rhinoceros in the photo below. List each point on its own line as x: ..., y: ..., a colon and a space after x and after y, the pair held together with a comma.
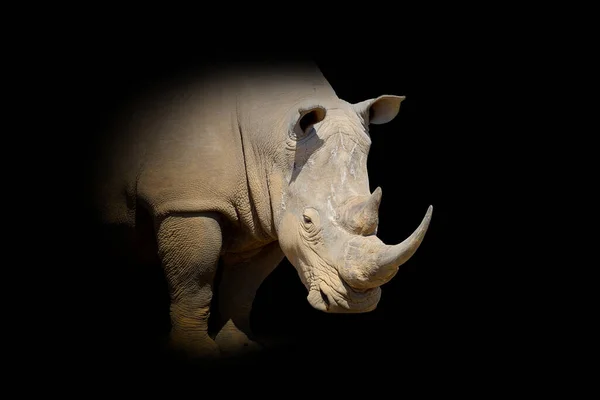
x: 239, y: 168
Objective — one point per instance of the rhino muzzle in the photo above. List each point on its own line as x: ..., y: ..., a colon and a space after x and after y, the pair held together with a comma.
x: 369, y: 263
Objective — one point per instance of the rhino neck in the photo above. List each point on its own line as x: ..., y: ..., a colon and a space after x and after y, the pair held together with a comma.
x: 264, y: 99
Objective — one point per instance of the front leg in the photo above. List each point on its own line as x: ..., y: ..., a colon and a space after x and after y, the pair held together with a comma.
x: 240, y: 281
x: 189, y: 246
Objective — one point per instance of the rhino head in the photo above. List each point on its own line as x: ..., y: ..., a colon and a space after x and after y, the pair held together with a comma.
x: 328, y: 217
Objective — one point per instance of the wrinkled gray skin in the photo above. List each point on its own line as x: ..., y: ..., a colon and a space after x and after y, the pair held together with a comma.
x: 250, y: 167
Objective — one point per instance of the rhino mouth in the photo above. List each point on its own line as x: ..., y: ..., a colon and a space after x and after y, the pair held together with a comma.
x: 344, y: 299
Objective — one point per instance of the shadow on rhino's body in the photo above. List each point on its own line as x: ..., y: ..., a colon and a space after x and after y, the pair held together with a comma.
x: 134, y: 306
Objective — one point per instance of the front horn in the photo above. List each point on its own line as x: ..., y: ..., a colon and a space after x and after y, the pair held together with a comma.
x: 370, y: 263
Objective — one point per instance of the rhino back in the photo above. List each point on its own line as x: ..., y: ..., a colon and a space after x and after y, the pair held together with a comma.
x: 179, y: 151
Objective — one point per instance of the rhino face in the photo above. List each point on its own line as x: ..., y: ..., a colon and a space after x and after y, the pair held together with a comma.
x: 329, y: 218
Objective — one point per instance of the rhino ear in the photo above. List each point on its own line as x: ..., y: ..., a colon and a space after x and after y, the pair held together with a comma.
x: 380, y: 110
x: 307, y: 116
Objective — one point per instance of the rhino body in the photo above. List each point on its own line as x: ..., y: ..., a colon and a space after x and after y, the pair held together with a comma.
x: 241, y: 168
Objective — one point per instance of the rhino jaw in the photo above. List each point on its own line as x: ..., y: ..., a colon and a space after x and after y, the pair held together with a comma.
x: 327, y: 299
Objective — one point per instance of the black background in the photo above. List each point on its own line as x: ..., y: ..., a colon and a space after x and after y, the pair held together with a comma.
x: 437, y: 317
x: 488, y: 135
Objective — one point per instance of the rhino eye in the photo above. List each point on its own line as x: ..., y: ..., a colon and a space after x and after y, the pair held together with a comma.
x: 310, y: 217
